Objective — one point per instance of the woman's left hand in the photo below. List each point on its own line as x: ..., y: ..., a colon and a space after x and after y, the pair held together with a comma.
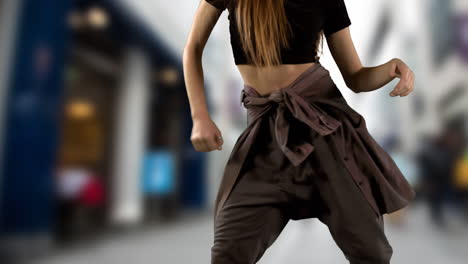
x: 401, y: 70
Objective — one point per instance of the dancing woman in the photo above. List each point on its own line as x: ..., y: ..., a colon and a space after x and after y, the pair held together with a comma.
x: 305, y: 153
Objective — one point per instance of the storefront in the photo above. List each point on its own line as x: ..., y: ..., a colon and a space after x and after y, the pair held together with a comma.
x: 97, y: 124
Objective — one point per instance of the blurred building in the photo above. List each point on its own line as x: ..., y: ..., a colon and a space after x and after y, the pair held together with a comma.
x: 95, y: 124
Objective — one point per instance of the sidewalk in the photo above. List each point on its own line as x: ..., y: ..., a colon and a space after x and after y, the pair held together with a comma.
x: 189, y: 241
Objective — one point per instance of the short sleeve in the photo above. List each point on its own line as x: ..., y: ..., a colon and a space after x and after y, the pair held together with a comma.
x: 219, y: 4
x: 335, y: 16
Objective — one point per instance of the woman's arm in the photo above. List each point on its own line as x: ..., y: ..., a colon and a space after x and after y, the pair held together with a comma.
x: 204, y: 20
x: 205, y: 135
x: 365, y: 79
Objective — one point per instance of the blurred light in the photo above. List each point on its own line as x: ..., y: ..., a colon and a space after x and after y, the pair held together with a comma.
x: 169, y: 76
x: 97, y: 17
x: 80, y: 109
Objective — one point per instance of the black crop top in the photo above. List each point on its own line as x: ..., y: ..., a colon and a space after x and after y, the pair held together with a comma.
x: 306, y: 17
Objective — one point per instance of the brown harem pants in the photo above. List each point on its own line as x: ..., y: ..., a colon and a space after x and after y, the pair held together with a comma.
x: 267, y: 194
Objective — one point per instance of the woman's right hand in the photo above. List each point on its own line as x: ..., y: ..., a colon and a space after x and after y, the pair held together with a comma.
x: 205, y: 135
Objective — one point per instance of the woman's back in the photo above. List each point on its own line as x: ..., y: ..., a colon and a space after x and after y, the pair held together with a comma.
x: 306, y: 19
x: 267, y: 81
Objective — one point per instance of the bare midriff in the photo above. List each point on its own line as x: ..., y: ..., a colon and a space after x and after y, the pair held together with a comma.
x: 266, y: 81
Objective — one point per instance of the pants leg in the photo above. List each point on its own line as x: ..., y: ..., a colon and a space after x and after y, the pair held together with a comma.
x: 255, y: 213
x: 270, y: 191
x: 356, y: 228
x: 244, y: 234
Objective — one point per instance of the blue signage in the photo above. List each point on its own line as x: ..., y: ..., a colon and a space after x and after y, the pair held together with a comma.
x: 159, y: 172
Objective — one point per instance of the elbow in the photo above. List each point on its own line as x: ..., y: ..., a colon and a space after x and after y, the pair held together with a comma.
x: 192, y: 50
x: 352, y: 85
x: 191, y: 55
x: 353, y: 82
x: 355, y: 89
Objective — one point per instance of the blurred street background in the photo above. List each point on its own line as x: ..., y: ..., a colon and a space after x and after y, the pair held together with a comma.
x: 96, y: 163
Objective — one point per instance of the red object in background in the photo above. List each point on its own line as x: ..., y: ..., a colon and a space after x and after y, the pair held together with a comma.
x: 92, y: 193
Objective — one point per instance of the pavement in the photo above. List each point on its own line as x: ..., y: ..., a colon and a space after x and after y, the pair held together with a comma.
x: 189, y: 240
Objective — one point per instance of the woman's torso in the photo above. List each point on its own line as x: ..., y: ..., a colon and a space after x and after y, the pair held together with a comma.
x: 278, y: 77
x: 306, y: 18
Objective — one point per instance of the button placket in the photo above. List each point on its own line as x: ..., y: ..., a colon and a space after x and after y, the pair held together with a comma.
x: 352, y: 169
x: 361, y: 182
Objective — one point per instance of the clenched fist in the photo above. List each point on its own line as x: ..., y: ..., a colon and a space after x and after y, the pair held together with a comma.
x: 205, y: 135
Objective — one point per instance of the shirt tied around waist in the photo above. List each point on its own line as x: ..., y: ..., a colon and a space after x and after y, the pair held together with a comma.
x: 303, y: 99
x: 314, y: 100
x: 301, y: 107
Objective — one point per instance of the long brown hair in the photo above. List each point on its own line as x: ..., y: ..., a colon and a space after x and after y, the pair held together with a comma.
x: 264, y: 30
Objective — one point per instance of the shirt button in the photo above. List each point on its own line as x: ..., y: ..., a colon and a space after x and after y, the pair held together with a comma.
x: 360, y: 182
x: 346, y: 158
